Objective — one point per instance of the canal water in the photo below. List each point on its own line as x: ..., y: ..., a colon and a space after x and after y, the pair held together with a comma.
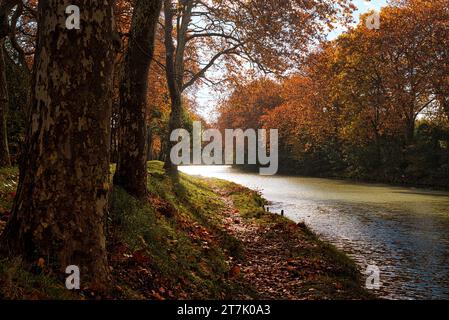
x: 402, y: 231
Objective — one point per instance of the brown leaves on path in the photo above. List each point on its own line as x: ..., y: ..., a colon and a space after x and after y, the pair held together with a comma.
x: 282, y: 260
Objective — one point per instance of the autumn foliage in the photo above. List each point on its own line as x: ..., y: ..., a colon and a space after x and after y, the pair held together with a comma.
x: 371, y: 104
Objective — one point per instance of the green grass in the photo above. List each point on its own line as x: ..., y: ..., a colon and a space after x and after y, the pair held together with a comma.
x: 18, y: 284
x: 179, y: 229
x: 249, y: 202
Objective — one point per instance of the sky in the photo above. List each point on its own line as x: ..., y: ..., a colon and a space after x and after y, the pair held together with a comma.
x: 206, y: 97
x: 363, y: 6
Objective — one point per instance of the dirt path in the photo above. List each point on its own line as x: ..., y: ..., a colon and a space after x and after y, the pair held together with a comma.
x: 267, y: 266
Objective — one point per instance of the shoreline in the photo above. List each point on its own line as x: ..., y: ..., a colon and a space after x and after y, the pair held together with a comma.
x: 309, y: 267
x: 371, y: 181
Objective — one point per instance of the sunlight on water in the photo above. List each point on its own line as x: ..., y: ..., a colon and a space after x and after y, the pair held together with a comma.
x: 404, y: 231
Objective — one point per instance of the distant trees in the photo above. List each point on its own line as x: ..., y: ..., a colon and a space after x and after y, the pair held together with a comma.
x: 403, y: 51
x: 60, y: 207
x: 371, y: 104
x: 248, y: 103
x: 131, y: 171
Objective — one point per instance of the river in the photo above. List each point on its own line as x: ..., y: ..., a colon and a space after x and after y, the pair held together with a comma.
x: 402, y: 231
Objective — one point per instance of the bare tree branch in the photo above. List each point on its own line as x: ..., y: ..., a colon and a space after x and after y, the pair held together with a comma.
x: 201, y: 73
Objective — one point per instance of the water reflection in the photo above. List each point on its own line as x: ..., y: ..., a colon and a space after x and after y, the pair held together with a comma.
x: 404, y: 231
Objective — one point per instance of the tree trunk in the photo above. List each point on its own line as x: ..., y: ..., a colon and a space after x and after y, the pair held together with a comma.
x: 444, y: 102
x: 4, y: 150
x: 410, y: 130
x: 174, y: 75
x: 114, y: 129
x: 131, y: 171
x: 173, y: 124
x: 61, y: 203
x: 150, y: 144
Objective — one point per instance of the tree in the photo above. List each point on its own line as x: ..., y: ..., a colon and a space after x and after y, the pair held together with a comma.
x: 131, y: 171
x: 159, y: 106
x: 6, y: 7
x: 271, y: 36
x: 406, y: 51
x: 17, y: 37
x: 4, y: 150
x: 254, y: 99
x: 61, y: 203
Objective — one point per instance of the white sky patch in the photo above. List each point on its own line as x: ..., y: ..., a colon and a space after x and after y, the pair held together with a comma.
x: 363, y: 7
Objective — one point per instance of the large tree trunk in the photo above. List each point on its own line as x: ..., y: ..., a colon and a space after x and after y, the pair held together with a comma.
x: 131, y: 171
x: 4, y: 150
x: 61, y: 201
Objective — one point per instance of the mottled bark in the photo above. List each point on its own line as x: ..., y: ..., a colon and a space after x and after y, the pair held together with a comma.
x: 61, y: 201
x: 174, y: 68
x: 4, y: 150
x: 131, y: 171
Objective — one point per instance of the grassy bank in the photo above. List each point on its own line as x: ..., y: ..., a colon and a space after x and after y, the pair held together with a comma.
x: 192, y: 239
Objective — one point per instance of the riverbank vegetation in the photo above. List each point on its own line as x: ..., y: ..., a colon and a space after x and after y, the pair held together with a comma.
x: 369, y: 105
x: 195, y: 240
